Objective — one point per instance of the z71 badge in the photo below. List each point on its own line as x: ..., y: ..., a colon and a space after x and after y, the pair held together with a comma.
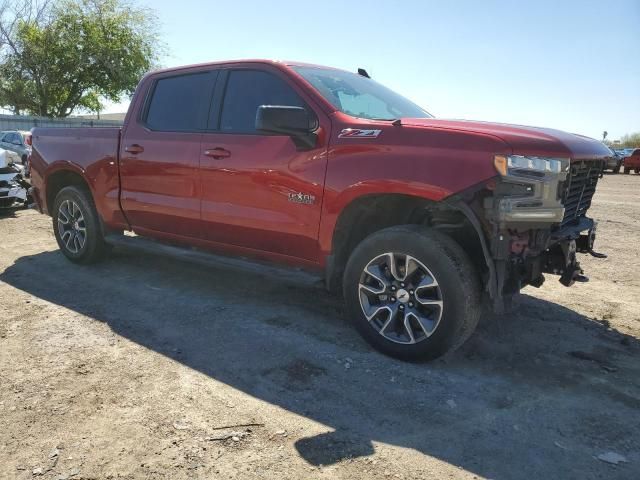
x: 302, y: 198
x: 358, y: 133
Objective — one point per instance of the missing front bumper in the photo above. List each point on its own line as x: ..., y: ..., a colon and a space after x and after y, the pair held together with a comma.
x: 561, y: 257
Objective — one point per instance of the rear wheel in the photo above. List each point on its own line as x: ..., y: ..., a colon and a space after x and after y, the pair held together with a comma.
x: 77, y: 227
x: 616, y: 169
x: 627, y: 170
x: 636, y: 170
x: 412, y: 292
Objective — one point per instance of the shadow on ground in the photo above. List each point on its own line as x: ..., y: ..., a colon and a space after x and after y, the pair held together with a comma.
x: 544, y: 387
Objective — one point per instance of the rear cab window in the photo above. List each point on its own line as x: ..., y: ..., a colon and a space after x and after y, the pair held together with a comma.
x: 180, y: 103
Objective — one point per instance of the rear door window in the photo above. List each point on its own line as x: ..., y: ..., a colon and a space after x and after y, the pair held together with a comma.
x: 180, y: 103
x: 246, y: 91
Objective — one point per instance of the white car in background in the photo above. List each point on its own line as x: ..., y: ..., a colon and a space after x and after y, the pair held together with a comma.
x: 13, y: 187
x: 18, y: 143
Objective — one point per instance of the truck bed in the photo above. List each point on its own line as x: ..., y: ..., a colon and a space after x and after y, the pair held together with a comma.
x: 91, y: 152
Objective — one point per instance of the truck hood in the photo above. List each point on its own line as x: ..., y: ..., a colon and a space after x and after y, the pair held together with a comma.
x: 523, y: 140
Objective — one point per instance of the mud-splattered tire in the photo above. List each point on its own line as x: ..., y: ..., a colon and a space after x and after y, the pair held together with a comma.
x: 429, y: 313
x: 76, y: 226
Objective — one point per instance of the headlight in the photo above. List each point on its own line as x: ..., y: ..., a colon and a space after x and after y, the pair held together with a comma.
x: 530, y: 189
x: 520, y: 165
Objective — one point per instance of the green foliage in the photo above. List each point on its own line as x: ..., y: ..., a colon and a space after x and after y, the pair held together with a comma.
x: 630, y: 140
x: 80, y: 53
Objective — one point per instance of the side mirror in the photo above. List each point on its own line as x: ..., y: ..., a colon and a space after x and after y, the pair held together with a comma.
x: 287, y: 120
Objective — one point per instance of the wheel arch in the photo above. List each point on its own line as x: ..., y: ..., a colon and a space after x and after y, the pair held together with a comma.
x: 60, y: 178
x: 369, y: 213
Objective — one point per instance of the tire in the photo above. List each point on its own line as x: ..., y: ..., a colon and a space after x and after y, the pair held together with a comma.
x: 24, y: 160
x: 636, y: 170
x: 616, y: 169
x: 76, y: 204
x: 627, y: 170
x: 458, y: 289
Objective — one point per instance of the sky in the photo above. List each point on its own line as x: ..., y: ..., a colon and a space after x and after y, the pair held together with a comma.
x: 571, y: 65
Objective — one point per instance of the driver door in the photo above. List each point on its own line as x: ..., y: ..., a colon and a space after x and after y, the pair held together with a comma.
x: 259, y: 190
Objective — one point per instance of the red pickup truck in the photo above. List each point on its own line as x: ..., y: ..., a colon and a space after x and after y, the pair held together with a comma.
x: 416, y: 220
x: 632, y: 162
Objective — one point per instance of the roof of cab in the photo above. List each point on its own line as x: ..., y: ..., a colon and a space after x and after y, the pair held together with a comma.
x: 278, y: 63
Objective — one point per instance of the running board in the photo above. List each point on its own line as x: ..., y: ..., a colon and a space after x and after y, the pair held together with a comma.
x: 194, y: 255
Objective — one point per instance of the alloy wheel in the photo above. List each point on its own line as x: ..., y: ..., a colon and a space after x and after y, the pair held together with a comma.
x: 400, y: 298
x: 71, y: 226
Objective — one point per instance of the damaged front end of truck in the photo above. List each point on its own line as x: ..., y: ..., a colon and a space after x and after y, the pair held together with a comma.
x: 532, y: 221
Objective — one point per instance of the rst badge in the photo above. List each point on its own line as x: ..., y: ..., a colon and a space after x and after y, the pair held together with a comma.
x: 358, y: 133
x: 302, y: 198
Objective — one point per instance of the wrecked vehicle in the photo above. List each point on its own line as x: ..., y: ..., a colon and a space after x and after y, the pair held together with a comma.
x: 415, y: 220
x: 13, y: 187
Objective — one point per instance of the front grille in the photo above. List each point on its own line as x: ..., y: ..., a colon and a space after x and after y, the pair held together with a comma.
x: 579, y: 189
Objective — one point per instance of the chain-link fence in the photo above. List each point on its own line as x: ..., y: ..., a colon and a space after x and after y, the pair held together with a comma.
x: 26, y: 123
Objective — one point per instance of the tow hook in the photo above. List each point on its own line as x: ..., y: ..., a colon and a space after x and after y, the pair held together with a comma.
x: 596, y: 254
x: 585, y: 243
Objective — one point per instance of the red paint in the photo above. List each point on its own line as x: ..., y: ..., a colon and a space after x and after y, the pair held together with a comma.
x: 230, y: 192
x: 633, y: 160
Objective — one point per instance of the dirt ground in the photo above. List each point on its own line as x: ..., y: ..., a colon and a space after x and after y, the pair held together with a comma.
x: 148, y: 366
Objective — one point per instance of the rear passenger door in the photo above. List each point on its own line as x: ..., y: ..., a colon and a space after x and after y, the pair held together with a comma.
x: 160, y: 155
x: 259, y: 190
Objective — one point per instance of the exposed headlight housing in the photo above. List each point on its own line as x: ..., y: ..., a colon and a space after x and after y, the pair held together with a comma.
x: 520, y: 165
x: 529, y: 192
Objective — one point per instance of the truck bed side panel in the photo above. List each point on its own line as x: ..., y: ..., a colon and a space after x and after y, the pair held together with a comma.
x: 90, y: 152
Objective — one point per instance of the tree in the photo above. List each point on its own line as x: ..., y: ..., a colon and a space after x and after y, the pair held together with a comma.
x: 630, y: 140
x: 60, y: 56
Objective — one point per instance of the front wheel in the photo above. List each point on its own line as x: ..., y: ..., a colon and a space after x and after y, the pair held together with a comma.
x: 412, y: 292
x: 77, y: 227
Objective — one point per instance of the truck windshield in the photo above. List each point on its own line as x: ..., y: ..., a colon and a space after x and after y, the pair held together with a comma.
x: 359, y: 96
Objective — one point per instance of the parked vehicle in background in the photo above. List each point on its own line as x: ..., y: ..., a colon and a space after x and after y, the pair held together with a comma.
x: 17, y: 142
x: 632, y: 162
x: 614, y: 161
x: 10, y: 155
x: 13, y: 187
x: 414, y: 219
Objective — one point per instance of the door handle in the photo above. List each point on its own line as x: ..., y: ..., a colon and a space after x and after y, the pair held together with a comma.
x: 217, y: 153
x: 134, y: 149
